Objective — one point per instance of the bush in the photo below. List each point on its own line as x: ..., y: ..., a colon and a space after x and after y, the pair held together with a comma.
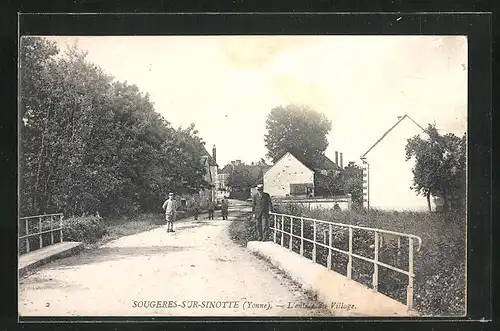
x: 244, y: 231
x: 439, y: 285
x: 87, y: 229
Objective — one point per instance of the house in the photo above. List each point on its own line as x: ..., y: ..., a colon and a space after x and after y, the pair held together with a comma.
x: 210, y: 163
x: 222, y: 177
x: 291, y: 176
x: 387, y: 176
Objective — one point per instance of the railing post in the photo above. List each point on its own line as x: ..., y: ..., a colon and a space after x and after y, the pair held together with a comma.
x: 61, y: 227
x: 291, y: 233
x: 51, y: 228
x: 282, y: 230
x: 375, y: 265
x: 314, y: 242
x: 349, y: 264
x: 330, y: 239
x: 275, y: 218
x: 409, y: 290
x: 301, y: 236
x: 40, y: 230
x: 27, y: 238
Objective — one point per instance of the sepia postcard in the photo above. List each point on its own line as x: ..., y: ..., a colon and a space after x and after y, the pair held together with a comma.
x: 242, y: 176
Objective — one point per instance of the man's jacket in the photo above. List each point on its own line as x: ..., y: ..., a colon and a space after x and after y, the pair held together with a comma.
x: 261, y: 205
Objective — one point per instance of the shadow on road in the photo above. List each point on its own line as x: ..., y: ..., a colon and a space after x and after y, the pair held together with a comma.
x: 106, y: 254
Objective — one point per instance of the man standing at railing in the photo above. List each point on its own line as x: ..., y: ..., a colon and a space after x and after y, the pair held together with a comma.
x: 170, y: 207
x: 261, y: 208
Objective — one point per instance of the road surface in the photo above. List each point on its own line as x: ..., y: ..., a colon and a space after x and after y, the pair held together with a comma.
x: 196, y: 271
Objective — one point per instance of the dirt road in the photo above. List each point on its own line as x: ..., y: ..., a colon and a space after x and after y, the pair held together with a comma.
x: 196, y: 271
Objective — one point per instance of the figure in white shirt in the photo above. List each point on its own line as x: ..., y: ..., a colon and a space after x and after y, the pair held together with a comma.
x: 170, y: 207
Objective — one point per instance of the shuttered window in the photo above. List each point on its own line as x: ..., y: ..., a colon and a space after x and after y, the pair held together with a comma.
x: 300, y: 189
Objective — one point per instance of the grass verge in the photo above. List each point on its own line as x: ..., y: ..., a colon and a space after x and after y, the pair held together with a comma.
x: 94, y: 232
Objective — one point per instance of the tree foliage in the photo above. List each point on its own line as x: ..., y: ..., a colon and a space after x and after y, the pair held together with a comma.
x: 240, y: 179
x: 245, y: 176
x: 440, y: 168
x: 348, y: 181
x: 90, y: 143
x: 353, y: 183
x: 296, y: 129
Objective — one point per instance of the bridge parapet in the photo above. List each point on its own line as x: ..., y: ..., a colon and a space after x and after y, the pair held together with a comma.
x: 36, y: 232
x: 289, y: 236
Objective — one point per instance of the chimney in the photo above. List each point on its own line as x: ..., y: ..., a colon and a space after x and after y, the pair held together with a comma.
x: 336, y: 158
x: 341, y: 161
x: 214, y: 153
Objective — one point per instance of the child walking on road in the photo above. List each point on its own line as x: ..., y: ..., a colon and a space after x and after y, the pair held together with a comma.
x: 170, y: 207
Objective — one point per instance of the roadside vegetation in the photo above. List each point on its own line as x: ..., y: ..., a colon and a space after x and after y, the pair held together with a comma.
x: 95, y: 231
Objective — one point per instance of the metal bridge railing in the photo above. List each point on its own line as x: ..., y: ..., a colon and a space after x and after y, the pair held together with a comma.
x: 49, y: 223
x: 299, y: 221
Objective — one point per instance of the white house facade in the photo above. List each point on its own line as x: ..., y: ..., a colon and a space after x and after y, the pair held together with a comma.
x: 387, y: 176
x: 287, y: 177
x: 210, y: 164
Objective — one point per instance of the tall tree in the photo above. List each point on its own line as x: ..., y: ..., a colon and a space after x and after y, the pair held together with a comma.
x: 440, y: 167
x: 296, y: 129
x: 89, y: 143
x: 37, y: 60
x: 240, y: 179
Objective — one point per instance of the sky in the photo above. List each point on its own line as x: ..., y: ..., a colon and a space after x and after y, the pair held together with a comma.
x: 227, y: 85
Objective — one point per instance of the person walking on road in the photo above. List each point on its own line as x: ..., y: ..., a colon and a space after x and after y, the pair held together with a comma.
x: 170, y: 207
x: 261, y: 207
x: 196, y: 208
x: 224, y: 208
x: 211, y: 208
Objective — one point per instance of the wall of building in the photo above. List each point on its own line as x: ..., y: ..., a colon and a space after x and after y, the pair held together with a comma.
x: 288, y: 170
x: 388, y: 176
x: 221, y: 182
x: 344, y: 202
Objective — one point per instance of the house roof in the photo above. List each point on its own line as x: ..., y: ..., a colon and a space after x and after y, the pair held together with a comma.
x: 227, y: 169
x: 211, y: 161
x: 402, y: 118
x: 321, y: 163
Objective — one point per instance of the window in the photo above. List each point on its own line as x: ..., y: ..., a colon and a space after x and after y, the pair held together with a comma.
x: 300, y: 189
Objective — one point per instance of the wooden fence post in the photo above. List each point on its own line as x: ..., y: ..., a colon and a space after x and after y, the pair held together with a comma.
x: 51, y: 228
x: 275, y: 227
x: 375, y: 265
x: 301, y: 236
x: 409, y: 291
x: 330, y: 239
x: 61, y: 226
x: 40, y: 230
x: 282, y: 229
x: 27, y: 238
x: 349, y: 264
x: 314, y: 242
